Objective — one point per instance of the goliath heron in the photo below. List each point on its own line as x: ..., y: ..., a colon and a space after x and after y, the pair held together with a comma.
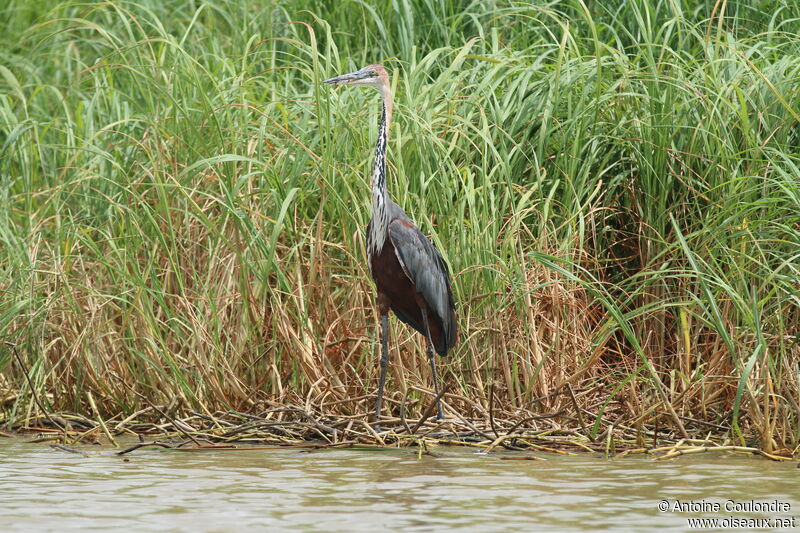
x: 411, y: 277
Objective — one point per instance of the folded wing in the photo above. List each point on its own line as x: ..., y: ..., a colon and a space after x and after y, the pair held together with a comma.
x: 429, y: 273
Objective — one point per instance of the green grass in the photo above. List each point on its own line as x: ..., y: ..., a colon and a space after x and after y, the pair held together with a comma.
x: 616, y: 189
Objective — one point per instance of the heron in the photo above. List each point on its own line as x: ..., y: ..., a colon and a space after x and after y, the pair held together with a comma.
x: 411, y: 277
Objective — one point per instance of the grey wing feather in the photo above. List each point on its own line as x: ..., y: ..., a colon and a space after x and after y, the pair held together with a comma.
x: 428, y: 271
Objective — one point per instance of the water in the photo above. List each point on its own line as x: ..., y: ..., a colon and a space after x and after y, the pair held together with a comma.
x: 45, y: 489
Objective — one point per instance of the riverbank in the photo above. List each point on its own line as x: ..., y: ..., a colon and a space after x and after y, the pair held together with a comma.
x: 614, y: 187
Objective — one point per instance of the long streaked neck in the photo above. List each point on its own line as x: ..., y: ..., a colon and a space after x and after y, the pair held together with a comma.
x: 380, y: 203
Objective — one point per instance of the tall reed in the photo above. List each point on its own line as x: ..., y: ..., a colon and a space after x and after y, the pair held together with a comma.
x: 616, y: 189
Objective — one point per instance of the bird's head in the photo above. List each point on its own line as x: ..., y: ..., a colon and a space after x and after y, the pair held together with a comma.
x: 369, y: 76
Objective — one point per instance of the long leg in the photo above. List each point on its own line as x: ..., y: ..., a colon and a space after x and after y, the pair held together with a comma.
x: 384, y: 361
x: 431, y: 358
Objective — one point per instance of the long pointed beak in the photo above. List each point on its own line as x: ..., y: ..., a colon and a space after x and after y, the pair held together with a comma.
x: 363, y: 77
x: 347, y: 79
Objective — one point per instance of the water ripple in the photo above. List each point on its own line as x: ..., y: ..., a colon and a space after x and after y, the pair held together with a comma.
x: 45, y: 489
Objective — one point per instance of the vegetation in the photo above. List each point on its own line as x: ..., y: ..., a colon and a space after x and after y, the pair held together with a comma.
x: 616, y: 186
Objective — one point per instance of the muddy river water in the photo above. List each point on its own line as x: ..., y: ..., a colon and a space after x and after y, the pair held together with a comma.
x: 46, y: 489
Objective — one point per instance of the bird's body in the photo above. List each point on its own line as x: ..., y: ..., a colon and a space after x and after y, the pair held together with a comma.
x: 406, y: 297
x: 410, y: 275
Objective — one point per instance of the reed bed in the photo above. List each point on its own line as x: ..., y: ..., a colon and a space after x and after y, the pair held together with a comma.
x: 282, y: 426
x: 616, y: 187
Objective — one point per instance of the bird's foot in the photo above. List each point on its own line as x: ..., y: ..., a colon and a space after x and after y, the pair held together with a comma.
x: 376, y: 425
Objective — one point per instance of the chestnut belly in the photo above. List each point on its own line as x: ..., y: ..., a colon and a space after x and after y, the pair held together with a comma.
x: 397, y: 291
